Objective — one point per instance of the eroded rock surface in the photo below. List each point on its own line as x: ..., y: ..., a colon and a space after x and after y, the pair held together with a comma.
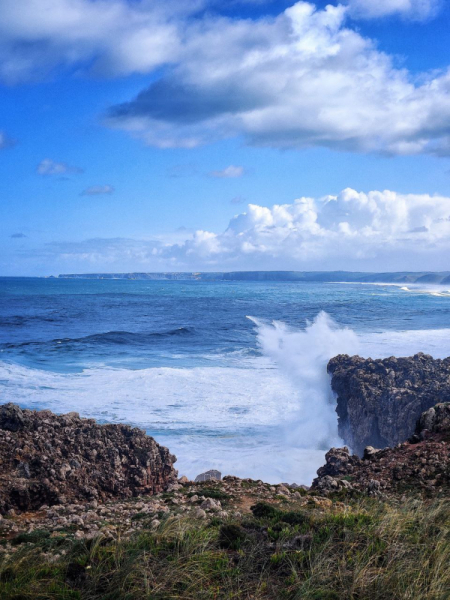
x: 422, y: 464
x: 47, y: 459
x: 379, y: 401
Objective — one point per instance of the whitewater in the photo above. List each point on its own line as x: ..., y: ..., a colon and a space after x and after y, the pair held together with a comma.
x: 228, y: 376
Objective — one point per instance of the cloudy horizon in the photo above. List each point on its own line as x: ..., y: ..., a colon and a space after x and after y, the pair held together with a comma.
x: 217, y: 136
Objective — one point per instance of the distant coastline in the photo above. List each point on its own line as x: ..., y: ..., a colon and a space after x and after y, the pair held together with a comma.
x: 400, y: 277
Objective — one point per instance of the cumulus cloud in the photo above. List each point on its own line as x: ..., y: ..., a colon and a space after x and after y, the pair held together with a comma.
x: 5, y: 141
x: 379, y: 230
x: 418, y: 10
x: 110, y: 37
x: 50, y: 167
x: 301, y: 79
x: 98, y: 190
x: 230, y: 172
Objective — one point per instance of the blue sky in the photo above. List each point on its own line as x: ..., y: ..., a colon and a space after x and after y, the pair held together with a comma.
x: 135, y: 135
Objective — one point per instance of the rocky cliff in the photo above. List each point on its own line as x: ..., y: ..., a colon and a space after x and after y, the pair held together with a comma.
x: 379, y: 401
x: 421, y: 464
x: 47, y: 459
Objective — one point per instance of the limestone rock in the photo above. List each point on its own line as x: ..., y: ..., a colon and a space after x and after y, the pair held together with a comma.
x: 47, y: 459
x: 421, y: 464
x: 379, y: 401
x: 209, y: 476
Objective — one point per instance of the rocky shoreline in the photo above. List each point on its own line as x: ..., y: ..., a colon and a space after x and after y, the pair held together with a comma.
x: 91, y: 511
x: 419, y: 465
x: 380, y: 401
x: 72, y: 475
x: 46, y: 459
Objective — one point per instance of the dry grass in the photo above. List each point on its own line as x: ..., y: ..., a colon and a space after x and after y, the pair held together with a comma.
x: 365, y: 550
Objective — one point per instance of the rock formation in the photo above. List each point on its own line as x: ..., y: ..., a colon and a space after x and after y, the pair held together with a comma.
x: 47, y: 459
x: 379, y: 401
x: 420, y: 464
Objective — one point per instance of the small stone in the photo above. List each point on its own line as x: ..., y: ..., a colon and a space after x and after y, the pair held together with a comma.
x: 210, y: 504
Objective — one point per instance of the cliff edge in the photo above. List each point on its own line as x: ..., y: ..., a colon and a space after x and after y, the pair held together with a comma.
x: 46, y: 459
x: 380, y: 401
x: 419, y: 465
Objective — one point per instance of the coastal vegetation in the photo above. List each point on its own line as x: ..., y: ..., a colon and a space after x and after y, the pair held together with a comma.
x: 326, y: 549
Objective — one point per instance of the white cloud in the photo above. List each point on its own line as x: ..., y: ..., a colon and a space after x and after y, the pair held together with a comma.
x: 230, y: 172
x: 376, y: 231
x: 299, y: 80
x: 98, y: 190
x: 113, y: 37
x: 419, y: 10
x: 50, y: 167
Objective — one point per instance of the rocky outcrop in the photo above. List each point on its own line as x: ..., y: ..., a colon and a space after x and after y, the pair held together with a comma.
x: 379, y: 401
x: 47, y: 459
x: 420, y: 464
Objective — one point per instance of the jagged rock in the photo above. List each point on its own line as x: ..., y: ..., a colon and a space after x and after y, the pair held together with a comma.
x: 210, y: 504
x: 11, y: 417
x: 209, y: 476
x: 369, y: 452
x: 47, y: 459
x: 420, y: 464
x: 434, y: 420
x: 379, y: 401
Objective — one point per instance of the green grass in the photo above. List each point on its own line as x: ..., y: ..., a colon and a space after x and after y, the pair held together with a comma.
x: 365, y: 550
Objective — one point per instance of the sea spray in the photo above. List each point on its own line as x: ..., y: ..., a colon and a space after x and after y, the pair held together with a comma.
x: 302, y: 356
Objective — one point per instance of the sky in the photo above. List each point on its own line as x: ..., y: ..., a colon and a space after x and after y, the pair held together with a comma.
x: 216, y: 135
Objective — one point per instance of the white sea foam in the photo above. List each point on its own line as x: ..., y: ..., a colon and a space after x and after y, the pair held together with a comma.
x: 270, y: 418
x: 302, y: 357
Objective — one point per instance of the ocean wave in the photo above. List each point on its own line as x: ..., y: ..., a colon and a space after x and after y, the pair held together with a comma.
x: 235, y: 418
x: 109, y: 338
x: 23, y: 320
x: 433, y: 290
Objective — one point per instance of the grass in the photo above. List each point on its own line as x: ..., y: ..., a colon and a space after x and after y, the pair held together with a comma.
x: 362, y: 550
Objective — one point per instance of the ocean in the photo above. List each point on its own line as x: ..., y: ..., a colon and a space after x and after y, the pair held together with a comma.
x: 228, y: 375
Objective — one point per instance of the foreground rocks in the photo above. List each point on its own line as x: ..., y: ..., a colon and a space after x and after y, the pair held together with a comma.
x: 419, y: 465
x: 205, y: 502
x: 379, y: 401
x: 47, y: 459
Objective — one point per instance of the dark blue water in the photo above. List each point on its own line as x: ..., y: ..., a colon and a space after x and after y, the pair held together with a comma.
x: 183, y: 361
x: 69, y: 325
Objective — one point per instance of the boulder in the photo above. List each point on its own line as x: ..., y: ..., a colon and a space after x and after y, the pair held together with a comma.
x: 211, y: 475
x: 47, y: 459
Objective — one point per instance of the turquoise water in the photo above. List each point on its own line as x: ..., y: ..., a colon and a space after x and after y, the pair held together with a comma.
x: 183, y: 361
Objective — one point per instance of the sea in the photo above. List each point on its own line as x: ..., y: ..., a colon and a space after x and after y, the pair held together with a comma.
x: 228, y: 375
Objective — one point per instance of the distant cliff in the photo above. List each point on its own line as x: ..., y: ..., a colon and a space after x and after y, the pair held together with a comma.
x: 379, y: 401
x: 402, y: 277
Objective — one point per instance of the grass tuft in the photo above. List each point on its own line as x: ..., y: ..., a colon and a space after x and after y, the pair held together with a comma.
x: 363, y: 550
